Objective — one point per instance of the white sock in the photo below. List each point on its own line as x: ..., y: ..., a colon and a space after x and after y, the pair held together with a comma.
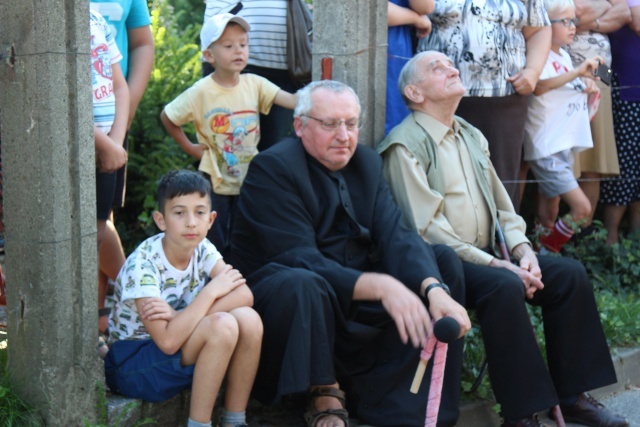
x: 233, y: 418
x: 192, y: 423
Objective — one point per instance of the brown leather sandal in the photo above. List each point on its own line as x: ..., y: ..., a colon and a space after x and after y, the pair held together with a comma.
x: 313, y: 415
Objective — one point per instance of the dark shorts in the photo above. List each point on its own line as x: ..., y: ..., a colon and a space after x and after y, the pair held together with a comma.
x: 105, y: 190
x: 139, y: 369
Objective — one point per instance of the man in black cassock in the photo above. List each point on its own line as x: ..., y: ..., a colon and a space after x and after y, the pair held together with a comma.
x: 345, y: 289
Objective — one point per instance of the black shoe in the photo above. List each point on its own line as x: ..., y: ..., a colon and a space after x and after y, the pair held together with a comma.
x: 590, y: 412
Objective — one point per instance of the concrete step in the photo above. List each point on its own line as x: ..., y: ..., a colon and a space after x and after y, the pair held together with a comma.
x: 174, y: 412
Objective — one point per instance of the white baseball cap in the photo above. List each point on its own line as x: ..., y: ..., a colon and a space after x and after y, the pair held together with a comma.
x: 214, y: 26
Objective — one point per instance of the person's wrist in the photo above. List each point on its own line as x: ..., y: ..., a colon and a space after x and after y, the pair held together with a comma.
x: 433, y: 286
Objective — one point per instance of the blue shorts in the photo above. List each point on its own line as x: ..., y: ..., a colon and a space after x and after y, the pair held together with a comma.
x: 139, y: 369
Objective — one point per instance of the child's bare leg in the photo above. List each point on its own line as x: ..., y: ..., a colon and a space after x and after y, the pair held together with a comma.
x: 548, y: 209
x: 111, y: 253
x: 591, y: 188
x: 102, y: 225
x: 244, y: 362
x: 111, y: 259
x: 103, y: 287
x: 210, y: 348
x: 579, y: 205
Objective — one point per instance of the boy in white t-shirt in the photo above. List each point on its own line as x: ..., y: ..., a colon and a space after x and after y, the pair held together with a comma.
x: 182, y: 317
x: 557, y: 127
x: 225, y: 108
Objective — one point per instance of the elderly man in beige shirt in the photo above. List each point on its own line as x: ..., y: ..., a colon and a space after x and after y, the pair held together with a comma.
x: 440, y: 174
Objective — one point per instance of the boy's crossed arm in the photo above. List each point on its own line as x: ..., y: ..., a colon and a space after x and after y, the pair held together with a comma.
x: 170, y: 330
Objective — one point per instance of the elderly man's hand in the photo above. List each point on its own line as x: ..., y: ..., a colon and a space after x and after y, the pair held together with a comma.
x: 528, y: 271
x: 528, y: 259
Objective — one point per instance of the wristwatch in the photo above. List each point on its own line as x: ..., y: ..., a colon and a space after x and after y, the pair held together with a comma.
x: 436, y: 285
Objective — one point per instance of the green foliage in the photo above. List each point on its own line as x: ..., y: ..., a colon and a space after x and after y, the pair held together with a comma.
x: 13, y: 411
x: 152, y: 151
x: 614, y: 271
x: 612, y: 267
x: 473, y: 364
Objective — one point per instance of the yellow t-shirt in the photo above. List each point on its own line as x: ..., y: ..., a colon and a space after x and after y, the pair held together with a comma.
x: 227, y: 120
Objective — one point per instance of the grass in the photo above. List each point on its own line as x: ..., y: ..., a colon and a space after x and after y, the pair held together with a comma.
x: 14, y: 412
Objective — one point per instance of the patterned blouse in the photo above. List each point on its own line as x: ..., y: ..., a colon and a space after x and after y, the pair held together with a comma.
x: 484, y: 39
x: 588, y: 44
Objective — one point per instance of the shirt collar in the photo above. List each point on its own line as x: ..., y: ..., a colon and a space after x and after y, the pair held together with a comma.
x: 436, y: 129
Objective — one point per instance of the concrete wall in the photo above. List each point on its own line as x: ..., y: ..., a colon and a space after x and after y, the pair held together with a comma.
x: 353, y: 34
x: 49, y: 204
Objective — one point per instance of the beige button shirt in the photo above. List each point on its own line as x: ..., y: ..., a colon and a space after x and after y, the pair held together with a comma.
x: 460, y: 218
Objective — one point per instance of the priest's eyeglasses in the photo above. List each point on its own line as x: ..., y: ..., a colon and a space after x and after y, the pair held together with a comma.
x: 334, y: 124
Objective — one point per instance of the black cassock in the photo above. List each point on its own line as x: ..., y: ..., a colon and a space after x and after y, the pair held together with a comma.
x: 302, y: 236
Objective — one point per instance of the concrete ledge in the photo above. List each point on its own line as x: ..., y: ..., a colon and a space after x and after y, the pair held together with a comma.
x: 125, y: 412
x: 174, y: 412
x: 627, y: 365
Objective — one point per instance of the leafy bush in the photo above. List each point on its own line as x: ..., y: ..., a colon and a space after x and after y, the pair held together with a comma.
x: 152, y: 151
x: 13, y: 411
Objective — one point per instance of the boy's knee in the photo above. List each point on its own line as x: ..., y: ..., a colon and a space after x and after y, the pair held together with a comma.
x: 222, y: 326
x: 249, y: 321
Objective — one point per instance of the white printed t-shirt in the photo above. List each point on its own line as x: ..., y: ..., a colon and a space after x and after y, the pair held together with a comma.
x: 104, y: 53
x: 557, y: 120
x: 227, y: 121
x: 148, y: 273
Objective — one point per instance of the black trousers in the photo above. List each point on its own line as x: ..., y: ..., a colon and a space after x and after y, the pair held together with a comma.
x: 577, y: 353
x: 308, y: 340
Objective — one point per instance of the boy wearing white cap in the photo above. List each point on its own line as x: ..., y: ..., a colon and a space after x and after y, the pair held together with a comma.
x: 225, y: 108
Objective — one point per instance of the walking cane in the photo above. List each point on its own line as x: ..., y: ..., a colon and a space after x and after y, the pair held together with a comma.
x: 445, y: 330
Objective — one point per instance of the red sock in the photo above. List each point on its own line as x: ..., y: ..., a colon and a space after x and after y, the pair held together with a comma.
x: 560, y: 234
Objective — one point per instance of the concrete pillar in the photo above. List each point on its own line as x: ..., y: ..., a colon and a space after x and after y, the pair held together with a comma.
x: 353, y: 35
x: 49, y: 204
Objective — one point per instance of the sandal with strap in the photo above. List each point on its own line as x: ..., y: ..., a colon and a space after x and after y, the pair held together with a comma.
x: 313, y: 415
